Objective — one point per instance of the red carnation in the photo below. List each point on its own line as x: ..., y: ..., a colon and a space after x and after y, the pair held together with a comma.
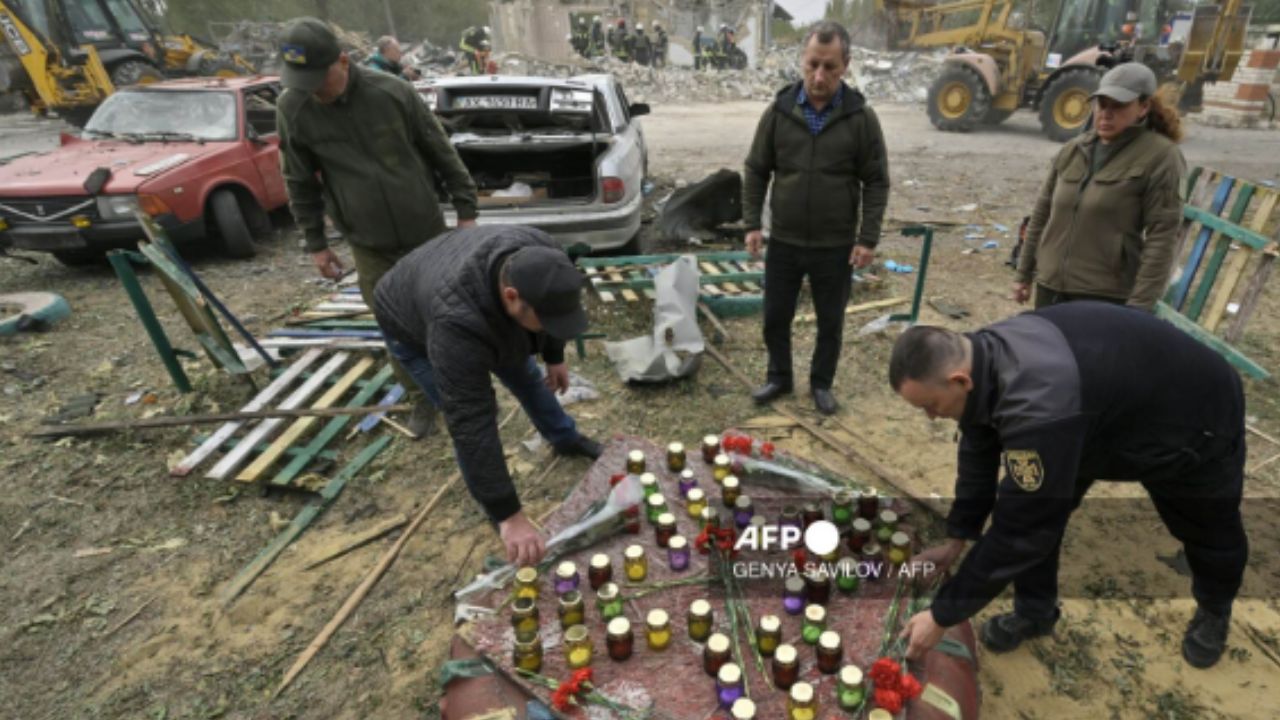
x: 889, y: 700
x: 767, y: 449
x: 909, y: 686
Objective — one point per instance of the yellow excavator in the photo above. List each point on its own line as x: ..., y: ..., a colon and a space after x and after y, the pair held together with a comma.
x: 70, y: 81
x: 999, y: 63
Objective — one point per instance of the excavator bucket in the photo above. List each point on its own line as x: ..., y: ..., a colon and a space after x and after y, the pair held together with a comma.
x: 1215, y: 42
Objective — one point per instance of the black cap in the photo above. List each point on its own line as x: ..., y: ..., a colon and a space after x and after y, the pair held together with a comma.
x: 547, y: 280
x: 307, y: 48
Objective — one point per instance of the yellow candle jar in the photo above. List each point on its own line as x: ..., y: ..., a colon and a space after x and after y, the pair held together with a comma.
x: 701, y: 618
x: 675, y: 457
x: 696, y: 503
x: 635, y: 564
x: 577, y: 647
x: 524, y: 619
x: 720, y: 469
x: 528, y: 655
x: 730, y: 491
x: 659, y: 629
x: 635, y: 462
x: 526, y: 583
x: 801, y: 705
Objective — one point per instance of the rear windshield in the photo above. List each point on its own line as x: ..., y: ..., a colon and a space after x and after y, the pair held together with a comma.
x: 159, y: 114
x: 487, y: 109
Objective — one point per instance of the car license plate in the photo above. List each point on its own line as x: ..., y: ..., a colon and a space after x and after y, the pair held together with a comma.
x: 496, y: 102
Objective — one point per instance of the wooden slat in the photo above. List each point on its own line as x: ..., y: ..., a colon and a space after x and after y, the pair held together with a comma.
x: 1235, y: 269
x: 316, y: 446
x: 1249, y: 301
x: 222, y: 434
x: 1210, y: 275
x: 341, y: 307
x: 233, y: 459
x: 300, y: 426
x: 1177, y: 294
x: 624, y: 261
x: 330, y: 343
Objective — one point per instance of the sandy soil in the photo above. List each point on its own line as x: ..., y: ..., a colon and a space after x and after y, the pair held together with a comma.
x: 175, y: 544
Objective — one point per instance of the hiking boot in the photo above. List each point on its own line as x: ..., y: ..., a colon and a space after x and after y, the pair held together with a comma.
x: 582, y: 446
x: 1206, y: 638
x: 423, y: 420
x: 769, y: 392
x: 1003, y: 633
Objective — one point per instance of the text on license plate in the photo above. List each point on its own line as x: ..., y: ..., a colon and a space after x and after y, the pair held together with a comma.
x: 497, y: 102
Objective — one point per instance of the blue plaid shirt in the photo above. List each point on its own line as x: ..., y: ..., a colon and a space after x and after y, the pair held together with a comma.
x: 817, y: 119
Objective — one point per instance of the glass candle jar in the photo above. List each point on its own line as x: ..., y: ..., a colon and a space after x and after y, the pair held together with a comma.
x: 872, y: 563
x: 649, y: 484
x: 850, y: 691
x: 793, y: 595
x: 859, y: 534
x: 729, y: 685
x: 527, y: 655
x: 566, y: 577
x: 786, y: 666
x: 743, y: 709
x: 609, y: 601
x: 599, y: 571
x: 869, y: 504
x: 817, y: 586
x: 743, y: 511
x: 635, y: 462
x: 888, y: 525
x: 710, y: 517
x: 665, y: 529
x: 842, y: 508
x: 758, y: 522
x: 634, y: 563
x: 710, y: 448
x: 688, y: 481
x: 619, y: 639
x: 659, y: 629
x: 789, y: 517
x: 801, y: 704
x: 695, y: 503
x: 830, y: 652
x: 715, y: 654
x: 526, y: 585
x: 899, y: 549
x: 573, y: 611
x: 675, y: 457
x: 879, y: 714
x: 810, y: 514
x: 701, y: 618
x: 730, y: 491
x: 656, y: 505
x: 720, y: 468
x: 524, y: 619
x: 577, y: 647
x: 678, y: 554
x: 768, y: 635
x: 815, y: 622
x: 847, y: 575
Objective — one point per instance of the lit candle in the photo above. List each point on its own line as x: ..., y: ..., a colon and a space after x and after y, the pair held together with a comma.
x: 715, y: 654
x: 678, y: 554
x: 847, y: 575
x: 527, y: 655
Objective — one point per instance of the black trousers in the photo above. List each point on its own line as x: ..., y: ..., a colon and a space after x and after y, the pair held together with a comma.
x: 830, y: 277
x: 1046, y: 297
x: 1201, y: 509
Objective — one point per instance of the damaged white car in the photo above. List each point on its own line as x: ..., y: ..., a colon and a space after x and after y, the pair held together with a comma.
x: 563, y: 155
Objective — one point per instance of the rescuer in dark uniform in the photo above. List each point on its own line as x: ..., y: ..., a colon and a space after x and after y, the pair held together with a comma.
x: 1060, y: 397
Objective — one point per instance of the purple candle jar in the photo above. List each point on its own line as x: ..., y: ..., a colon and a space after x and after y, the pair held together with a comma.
x: 743, y: 511
x: 678, y: 553
x: 793, y: 596
x: 729, y: 685
x: 687, y: 482
x: 566, y: 577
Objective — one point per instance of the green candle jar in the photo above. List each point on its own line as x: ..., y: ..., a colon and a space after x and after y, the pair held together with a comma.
x: 850, y: 692
x: 609, y: 601
x: 815, y: 622
x: 847, y: 575
x: 842, y: 508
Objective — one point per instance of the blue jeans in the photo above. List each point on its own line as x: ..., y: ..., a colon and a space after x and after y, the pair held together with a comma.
x: 524, y: 381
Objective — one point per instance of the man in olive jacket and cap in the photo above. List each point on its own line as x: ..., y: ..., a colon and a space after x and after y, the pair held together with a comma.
x: 362, y: 145
x: 822, y: 148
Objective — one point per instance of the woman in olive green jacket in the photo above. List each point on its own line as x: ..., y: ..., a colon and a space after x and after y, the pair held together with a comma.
x: 1106, y: 224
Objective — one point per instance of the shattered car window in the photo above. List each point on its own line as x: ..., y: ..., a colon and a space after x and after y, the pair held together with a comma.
x: 166, y: 115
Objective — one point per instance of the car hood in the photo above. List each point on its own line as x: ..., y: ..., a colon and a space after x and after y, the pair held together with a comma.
x: 63, y: 170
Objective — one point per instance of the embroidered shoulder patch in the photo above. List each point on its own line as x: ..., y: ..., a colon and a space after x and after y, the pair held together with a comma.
x: 1025, y: 468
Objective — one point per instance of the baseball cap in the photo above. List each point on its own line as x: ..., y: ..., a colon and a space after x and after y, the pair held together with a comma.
x: 307, y: 48
x: 1127, y: 82
x: 547, y: 280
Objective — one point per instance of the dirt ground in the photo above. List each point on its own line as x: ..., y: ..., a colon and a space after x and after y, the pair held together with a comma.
x: 92, y: 531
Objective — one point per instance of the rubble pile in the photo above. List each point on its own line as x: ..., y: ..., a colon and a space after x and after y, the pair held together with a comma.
x: 884, y: 76
x: 259, y: 43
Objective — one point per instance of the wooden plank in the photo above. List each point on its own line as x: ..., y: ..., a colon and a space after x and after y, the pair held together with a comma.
x: 1212, y: 223
x: 363, y: 334
x: 1177, y: 295
x: 1227, y: 285
x: 1243, y: 197
x: 331, y: 430
x: 300, y: 426
x: 317, y: 315
x: 1197, y: 200
x: 172, y: 421
x: 1249, y: 301
x: 341, y: 324
x: 664, y: 259
x: 1223, y: 348
x: 233, y: 459
x: 340, y: 307
x: 259, y: 401
x: 329, y: 343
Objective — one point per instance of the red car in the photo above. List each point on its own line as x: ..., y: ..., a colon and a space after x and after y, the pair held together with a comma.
x: 199, y: 155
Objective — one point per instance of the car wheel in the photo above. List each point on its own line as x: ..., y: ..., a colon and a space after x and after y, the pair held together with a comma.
x: 229, y: 221
x: 79, y: 258
x: 135, y: 72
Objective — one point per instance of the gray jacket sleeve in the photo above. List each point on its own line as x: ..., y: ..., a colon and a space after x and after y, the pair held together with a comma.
x: 1162, y: 220
x: 442, y: 157
x: 306, y: 193
x: 758, y: 170
x: 1039, y: 219
x: 873, y: 173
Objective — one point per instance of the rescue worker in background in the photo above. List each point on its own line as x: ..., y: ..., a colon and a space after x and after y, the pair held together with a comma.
x: 822, y: 148
x: 362, y: 144
x: 480, y: 63
x: 642, y: 48
x: 580, y: 38
x: 660, y: 43
x: 475, y: 40
x: 596, y: 47
x: 1060, y: 397
x: 698, y: 56
x: 620, y: 41
x: 388, y: 57
x: 480, y: 302
x: 1105, y: 226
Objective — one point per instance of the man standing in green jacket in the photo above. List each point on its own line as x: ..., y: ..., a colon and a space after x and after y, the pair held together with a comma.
x: 822, y: 148
x: 362, y: 145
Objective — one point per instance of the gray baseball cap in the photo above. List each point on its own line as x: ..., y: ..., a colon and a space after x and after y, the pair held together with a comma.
x: 1127, y: 82
x: 547, y: 280
x: 307, y: 48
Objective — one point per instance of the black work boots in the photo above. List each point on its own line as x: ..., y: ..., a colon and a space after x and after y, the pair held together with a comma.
x: 1206, y: 638
x: 1003, y: 633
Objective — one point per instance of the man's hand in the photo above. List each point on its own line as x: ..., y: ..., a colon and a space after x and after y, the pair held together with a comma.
x: 942, y: 556
x: 861, y: 256
x: 557, y: 378
x: 922, y: 633
x: 755, y: 241
x: 525, y: 545
x: 466, y: 223
x: 327, y: 263
x: 411, y: 74
x: 1021, y: 292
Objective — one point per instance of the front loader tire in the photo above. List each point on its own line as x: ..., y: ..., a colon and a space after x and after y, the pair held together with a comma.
x: 135, y: 72
x: 1065, y: 105
x: 958, y: 99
